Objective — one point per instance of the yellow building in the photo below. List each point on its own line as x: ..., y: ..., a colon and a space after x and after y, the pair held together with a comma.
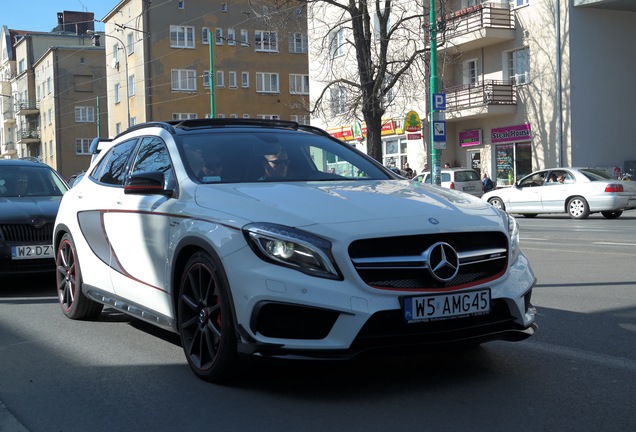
x: 158, y: 62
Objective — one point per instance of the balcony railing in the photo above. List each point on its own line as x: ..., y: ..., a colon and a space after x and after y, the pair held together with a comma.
x: 479, y: 94
x: 27, y: 107
x: 478, y: 17
x: 478, y: 26
x: 28, y: 135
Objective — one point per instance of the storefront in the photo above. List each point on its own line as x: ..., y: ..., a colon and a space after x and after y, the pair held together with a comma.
x: 513, y: 153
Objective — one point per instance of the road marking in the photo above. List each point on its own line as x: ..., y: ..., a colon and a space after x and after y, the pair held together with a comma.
x: 577, y: 354
x: 614, y: 244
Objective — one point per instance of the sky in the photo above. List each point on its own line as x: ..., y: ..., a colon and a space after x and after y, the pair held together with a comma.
x: 41, y: 15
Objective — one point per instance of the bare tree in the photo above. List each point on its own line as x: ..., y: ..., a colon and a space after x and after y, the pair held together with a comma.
x: 370, y: 58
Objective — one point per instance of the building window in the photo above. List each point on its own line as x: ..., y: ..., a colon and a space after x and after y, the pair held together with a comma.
x: 131, y: 43
x: 231, y: 36
x: 519, y: 66
x: 300, y: 119
x: 299, y: 84
x: 266, y: 41
x: 471, y: 71
x: 50, y: 115
x: 336, y: 43
x: 82, y: 146
x: 205, y: 35
x: 206, y: 79
x: 116, y: 55
x: 268, y: 117
x: 518, y: 3
x: 245, y: 37
x: 117, y: 93
x: 338, y: 100
x: 246, y: 116
x: 117, y: 128
x: 245, y: 79
x: 298, y: 43
x: 266, y: 82
x: 184, y: 80
x: 84, y: 114
x: 232, y: 78
x: 181, y: 4
x: 131, y: 85
x: 513, y: 162
x: 233, y: 115
x: 184, y: 116
x: 181, y: 37
x: 220, y: 79
x: 218, y: 39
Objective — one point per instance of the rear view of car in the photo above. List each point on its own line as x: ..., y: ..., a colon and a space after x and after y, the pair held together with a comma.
x: 462, y: 179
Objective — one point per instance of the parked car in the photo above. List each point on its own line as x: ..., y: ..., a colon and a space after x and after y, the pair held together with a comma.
x: 271, y: 239
x: 578, y: 192
x: 30, y: 194
x: 462, y: 179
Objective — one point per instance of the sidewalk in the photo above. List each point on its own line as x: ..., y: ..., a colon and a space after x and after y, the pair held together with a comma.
x: 8, y: 423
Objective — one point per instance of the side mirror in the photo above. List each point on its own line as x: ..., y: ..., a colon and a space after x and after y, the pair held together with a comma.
x: 147, y: 183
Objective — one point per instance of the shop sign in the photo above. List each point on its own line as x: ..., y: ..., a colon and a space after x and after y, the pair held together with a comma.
x: 344, y: 133
x: 413, y: 126
x: 511, y: 133
x: 470, y: 138
x: 388, y: 128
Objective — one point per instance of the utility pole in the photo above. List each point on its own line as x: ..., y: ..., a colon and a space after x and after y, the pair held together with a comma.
x: 436, y: 177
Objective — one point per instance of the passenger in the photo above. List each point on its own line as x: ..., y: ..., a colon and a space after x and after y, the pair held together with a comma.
x: 275, y: 163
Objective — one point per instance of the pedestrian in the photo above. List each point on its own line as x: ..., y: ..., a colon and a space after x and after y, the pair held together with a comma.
x: 488, y: 184
x: 409, y: 171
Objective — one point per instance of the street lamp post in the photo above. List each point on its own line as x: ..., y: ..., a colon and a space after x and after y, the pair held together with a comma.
x: 95, y: 37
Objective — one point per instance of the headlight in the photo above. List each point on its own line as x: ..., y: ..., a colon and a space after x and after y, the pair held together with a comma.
x: 292, y: 248
x: 513, y: 233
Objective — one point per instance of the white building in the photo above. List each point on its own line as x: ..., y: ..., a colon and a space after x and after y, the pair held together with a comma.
x: 529, y: 84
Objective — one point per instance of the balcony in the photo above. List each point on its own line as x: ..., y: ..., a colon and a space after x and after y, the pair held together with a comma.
x: 27, y: 108
x: 484, y: 99
x: 28, y: 136
x: 477, y: 27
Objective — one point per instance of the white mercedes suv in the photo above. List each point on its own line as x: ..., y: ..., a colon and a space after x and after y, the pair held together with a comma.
x: 266, y: 238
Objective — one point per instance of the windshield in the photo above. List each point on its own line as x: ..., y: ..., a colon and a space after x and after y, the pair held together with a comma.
x: 37, y: 180
x: 247, y: 156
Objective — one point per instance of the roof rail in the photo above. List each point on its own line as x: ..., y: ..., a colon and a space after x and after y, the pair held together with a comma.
x: 165, y: 125
x: 221, y: 122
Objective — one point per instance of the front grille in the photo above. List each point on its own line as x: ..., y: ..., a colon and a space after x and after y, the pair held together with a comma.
x: 26, y: 233
x: 400, y: 262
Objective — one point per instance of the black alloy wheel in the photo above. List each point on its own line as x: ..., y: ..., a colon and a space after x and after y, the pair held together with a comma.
x: 205, y: 320
x: 75, y: 305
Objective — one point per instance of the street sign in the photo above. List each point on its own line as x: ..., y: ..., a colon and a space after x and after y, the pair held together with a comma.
x: 439, y: 130
x: 439, y: 101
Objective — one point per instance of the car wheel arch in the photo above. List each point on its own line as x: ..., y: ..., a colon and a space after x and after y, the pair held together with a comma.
x: 186, y: 248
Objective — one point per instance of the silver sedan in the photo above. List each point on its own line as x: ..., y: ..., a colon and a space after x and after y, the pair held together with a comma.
x: 575, y: 191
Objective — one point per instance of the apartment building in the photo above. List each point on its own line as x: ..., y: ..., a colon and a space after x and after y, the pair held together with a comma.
x: 51, y: 83
x: 159, y: 56
x: 530, y: 84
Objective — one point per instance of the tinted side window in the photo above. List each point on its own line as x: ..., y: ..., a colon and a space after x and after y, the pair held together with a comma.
x: 114, y: 166
x: 153, y: 156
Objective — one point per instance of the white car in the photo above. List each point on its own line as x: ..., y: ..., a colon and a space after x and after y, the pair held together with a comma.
x: 578, y: 192
x: 462, y: 179
x: 261, y: 238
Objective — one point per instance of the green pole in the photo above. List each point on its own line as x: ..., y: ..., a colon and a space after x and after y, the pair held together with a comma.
x: 211, y: 41
x: 435, y: 154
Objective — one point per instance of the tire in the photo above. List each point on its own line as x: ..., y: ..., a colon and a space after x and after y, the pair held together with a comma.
x: 75, y: 305
x: 205, y: 320
x: 497, y: 203
x: 530, y: 215
x: 578, y: 208
x: 612, y: 214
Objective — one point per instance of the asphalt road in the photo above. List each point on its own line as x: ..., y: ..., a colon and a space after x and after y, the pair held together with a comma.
x: 578, y: 373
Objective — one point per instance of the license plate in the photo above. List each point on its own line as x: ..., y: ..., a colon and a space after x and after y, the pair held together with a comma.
x: 31, y: 252
x: 446, y: 306
x: 469, y: 187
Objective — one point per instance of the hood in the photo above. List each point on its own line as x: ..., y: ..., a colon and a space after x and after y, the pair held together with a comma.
x: 392, y: 202
x: 21, y: 210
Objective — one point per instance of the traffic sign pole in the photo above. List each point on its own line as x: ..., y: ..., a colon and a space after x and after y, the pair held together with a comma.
x: 436, y: 155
